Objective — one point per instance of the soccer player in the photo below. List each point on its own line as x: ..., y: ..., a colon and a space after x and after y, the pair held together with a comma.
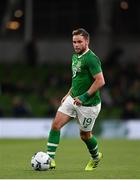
x: 82, y: 101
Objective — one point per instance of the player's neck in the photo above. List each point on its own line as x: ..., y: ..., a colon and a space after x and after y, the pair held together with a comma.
x: 80, y: 55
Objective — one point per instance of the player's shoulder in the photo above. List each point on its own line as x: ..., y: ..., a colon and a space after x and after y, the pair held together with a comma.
x: 91, y: 56
x: 74, y: 55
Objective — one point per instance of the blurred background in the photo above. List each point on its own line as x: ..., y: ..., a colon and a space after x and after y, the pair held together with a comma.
x: 35, y: 61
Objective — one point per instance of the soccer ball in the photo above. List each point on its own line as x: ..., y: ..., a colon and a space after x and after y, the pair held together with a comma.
x: 40, y: 161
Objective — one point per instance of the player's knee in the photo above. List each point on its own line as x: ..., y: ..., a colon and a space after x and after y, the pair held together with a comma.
x: 85, y: 135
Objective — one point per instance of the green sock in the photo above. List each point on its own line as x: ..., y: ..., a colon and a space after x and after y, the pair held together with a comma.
x: 92, y: 147
x: 53, y: 142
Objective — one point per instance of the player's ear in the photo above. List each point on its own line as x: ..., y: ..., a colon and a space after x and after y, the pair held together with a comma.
x: 87, y: 42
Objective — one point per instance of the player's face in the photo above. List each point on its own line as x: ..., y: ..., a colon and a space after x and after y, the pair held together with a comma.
x: 80, y: 44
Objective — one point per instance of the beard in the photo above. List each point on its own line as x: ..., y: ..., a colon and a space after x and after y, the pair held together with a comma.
x: 80, y: 51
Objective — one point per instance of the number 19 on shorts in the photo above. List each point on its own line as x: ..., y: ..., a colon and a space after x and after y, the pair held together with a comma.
x: 87, y: 122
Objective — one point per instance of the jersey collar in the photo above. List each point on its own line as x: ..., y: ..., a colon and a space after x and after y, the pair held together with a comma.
x: 83, y: 53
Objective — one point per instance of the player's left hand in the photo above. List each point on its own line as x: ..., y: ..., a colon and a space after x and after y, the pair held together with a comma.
x: 77, y: 101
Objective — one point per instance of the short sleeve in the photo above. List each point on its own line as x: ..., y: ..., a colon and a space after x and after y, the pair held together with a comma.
x: 94, y: 65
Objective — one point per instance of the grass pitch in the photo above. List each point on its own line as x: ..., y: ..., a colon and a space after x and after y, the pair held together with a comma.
x: 121, y: 160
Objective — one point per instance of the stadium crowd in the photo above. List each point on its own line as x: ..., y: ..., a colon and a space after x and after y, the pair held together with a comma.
x: 36, y: 91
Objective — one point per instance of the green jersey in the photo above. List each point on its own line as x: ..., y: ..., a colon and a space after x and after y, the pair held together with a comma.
x: 84, y: 67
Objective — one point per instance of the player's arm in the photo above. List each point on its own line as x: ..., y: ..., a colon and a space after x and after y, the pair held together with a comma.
x: 98, y: 82
x: 69, y: 92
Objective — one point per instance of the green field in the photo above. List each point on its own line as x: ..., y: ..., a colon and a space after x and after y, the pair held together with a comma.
x: 121, y: 160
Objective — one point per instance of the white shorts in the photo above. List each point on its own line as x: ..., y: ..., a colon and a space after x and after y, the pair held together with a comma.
x: 86, y: 115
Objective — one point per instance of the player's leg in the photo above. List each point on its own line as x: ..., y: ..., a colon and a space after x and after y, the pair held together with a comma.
x: 87, y: 117
x: 63, y: 115
x: 90, y: 142
x: 54, y: 135
x: 92, y: 145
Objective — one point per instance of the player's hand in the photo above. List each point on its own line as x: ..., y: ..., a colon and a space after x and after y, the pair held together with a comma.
x: 77, y: 101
